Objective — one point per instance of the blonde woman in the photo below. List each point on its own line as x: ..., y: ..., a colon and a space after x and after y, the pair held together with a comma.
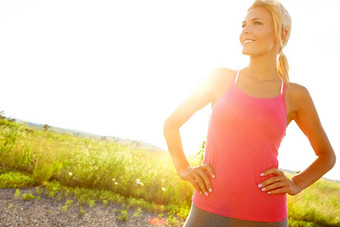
x: 239, y: 183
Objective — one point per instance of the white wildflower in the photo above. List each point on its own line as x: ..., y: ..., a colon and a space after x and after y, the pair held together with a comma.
x: 70, y: 174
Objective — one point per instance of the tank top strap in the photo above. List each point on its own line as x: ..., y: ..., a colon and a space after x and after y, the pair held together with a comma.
x: 283, y: 87
x: 235, y: 77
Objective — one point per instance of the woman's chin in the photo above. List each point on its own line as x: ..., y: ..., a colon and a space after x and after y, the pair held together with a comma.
x: 246, y: 51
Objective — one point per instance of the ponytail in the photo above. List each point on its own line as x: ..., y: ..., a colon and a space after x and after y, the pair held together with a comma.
x: 283, y: 67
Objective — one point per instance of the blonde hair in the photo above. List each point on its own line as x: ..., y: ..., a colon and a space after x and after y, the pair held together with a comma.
x: 282, y: 28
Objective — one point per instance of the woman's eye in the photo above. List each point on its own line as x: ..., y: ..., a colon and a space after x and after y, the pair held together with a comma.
x: 256, y: 22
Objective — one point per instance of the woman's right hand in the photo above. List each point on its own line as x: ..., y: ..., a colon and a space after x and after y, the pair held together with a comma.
x: 199, y: 178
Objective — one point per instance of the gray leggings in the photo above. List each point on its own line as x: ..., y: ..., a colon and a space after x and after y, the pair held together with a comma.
x: 201, y: 218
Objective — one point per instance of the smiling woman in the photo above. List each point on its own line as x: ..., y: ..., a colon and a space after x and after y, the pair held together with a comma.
x: 96, y: 66
x: 239, y: 183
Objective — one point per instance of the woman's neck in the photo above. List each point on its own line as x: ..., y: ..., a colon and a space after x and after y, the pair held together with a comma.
x: 263, y: 68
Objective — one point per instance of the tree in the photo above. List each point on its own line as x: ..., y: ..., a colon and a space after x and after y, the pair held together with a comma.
x: 46, y: 127
x: 2, y: 114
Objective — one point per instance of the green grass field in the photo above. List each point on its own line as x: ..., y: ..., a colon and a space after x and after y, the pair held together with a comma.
x: 103, y: 170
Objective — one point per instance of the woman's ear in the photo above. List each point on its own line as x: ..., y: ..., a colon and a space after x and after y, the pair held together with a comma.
x: 284, y: 34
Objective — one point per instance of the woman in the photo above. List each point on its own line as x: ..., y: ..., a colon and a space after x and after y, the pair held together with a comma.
x: 239, y: 183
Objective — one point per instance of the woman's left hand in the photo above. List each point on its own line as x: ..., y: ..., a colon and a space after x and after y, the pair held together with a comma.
x: 278, y: 183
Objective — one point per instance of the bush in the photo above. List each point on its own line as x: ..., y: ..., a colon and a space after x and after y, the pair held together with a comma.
x: 15, y: 180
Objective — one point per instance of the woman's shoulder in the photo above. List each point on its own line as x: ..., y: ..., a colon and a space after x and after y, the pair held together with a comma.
x: 220, y: 77
x: 219, y: 80
x: 297, y: 91
x: 222, y: 73
x: 297, y: 97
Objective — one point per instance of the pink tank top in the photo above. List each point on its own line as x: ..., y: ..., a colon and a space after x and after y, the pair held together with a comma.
x: 243, y: 139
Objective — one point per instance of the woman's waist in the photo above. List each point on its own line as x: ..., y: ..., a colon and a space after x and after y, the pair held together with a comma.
x: 237, y: 173
x: 241, y: 193
x: 242, y: 160
x: 243, y: 205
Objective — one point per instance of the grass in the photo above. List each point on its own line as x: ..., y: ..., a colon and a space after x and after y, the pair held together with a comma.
x: 15, y: 180
x: 318, y: 205
x: 28, y: 196
x: 103, y: 171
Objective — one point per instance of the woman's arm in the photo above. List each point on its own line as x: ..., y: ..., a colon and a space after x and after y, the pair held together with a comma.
x: 205, y: 93
x: 305, y: 115
x: 308, y: 121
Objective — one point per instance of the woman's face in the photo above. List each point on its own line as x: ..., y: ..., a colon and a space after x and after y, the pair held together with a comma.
x: 257, y: 36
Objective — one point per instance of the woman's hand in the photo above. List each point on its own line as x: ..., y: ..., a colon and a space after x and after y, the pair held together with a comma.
x: 278, y: 183
x: 199, y: 178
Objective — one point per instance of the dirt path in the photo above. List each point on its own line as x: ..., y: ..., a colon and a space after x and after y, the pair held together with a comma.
x: 50, y: 212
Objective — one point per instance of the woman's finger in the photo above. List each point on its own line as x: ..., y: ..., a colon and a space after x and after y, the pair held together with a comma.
x: 274, y: 186
x: 270, y: 181
x: 210, y: 170
x: 278, y: 191
x: 190, y: 175
x: 194, y: 182
x: 271, y: 171
x: 206, y: 180
x: 198, y: 180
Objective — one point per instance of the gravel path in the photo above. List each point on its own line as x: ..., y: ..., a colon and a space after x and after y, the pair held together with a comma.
x: 50, y: 212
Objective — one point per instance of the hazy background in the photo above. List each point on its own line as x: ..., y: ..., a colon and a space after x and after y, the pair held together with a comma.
x: 119, y: 68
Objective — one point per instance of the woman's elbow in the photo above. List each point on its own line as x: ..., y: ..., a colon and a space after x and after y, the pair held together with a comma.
x: 333, y: 159
x: 166, y: 126
x: 169, y: 125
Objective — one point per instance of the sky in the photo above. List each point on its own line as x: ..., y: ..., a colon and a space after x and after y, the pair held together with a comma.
x: 119, y: 68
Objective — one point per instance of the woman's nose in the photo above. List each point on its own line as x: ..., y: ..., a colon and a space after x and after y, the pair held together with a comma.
x: 243, y: 32
x: 245, y: 29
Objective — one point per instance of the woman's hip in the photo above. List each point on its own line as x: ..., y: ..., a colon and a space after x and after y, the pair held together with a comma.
x: 201, y: 218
